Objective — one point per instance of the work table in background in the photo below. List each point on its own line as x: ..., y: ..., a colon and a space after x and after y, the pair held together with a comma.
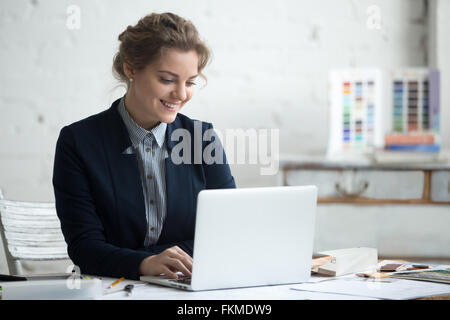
x: 400, y: 209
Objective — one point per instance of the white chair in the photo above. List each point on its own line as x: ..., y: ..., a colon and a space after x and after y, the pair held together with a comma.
x: 30, y: 231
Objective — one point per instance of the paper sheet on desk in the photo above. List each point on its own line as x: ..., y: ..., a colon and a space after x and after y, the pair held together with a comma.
x: 147, y: 291
x: 283, y: 292
x: 396, y: 289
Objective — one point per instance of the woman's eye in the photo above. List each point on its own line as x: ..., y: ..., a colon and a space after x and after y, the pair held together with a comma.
x: 166, y: 80
x: 189, y: 83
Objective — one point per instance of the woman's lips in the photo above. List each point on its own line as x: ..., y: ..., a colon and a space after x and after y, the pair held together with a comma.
x: 170, y: 106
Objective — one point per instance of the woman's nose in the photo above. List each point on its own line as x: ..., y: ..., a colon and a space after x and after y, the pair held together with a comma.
x: 180, y: 92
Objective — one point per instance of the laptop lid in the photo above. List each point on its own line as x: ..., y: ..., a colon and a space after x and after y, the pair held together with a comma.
x: 253, y: 237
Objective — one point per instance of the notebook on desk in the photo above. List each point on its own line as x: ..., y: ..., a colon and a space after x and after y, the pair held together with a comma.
x: 250, y: 237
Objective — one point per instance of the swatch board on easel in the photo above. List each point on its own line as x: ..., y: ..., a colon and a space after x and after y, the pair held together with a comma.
x: 415, y: 111
x: 355, y: 111
x: 415, y: 100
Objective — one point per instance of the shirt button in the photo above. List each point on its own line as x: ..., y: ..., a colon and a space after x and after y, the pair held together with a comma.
x: 148, y: 149
x: 149, y: 176
x: 152, y: 229
x: 149, y: 134
x: 152, y: 202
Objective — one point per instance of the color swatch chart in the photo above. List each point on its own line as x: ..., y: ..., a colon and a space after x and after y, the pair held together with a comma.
x: 411, y: 111
x: 358, y: 113
x: 354, y: 98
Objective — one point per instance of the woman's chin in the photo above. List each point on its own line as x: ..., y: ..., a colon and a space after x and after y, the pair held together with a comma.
x: 168, y: 118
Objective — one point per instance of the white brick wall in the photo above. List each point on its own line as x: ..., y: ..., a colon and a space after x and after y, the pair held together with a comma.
x: 269, y: 70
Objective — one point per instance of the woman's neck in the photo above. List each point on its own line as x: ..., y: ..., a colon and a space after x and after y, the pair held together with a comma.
x: 138, y: 115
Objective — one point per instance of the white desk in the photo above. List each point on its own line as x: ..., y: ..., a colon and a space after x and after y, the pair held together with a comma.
x: 284, y: 292
x: 340, y: 288
x: 348, y: 287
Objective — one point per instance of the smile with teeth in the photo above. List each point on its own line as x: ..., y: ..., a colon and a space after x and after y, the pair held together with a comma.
x: 169, y: 105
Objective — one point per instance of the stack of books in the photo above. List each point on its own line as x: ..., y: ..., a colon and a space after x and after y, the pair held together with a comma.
x: 410, y: 147
x: 413, y: 142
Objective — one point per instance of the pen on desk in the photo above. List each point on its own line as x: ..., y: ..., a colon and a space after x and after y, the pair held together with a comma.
x: 129, y: 289
x: 116, y: 282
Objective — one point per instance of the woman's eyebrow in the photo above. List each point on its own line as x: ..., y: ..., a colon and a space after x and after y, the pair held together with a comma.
x: 174, y: 74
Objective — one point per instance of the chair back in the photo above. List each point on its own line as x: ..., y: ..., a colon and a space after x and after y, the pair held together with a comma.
x: 30, y: 231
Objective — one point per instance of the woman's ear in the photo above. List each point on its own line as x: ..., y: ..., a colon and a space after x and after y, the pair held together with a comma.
x: 128, y: 70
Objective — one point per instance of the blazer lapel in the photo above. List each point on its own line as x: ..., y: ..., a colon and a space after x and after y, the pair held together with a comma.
x: 125, y: 174
x: 180, y: 204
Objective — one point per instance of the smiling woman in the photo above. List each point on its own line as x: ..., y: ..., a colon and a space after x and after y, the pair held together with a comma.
x: 126, y: 209
x: 158, y: 60
x: 151, y: 37
x: 155, y: 94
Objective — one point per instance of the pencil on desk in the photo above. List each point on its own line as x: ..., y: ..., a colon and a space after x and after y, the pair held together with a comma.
x: 116, y: 282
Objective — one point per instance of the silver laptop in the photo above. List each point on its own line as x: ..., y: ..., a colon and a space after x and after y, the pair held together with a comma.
x: 250, y: 237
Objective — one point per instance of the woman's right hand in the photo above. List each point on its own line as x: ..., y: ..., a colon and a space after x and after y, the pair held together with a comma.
x: 169, y: 262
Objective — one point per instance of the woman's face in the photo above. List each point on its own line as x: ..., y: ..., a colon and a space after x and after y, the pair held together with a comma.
x: 159, y: 91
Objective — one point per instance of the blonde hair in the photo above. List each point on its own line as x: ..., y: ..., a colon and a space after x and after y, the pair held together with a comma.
x: 146, y: 41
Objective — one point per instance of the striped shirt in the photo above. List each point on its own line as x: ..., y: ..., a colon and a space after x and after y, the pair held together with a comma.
x: 151, y: 151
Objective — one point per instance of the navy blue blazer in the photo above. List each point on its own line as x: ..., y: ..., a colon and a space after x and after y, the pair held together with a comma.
x: 100, y: 201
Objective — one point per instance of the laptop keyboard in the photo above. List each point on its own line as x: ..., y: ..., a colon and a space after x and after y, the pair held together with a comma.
x: 184, y: 280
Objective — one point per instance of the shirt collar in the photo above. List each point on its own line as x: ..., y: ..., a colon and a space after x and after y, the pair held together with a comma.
x: 136, y: 132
